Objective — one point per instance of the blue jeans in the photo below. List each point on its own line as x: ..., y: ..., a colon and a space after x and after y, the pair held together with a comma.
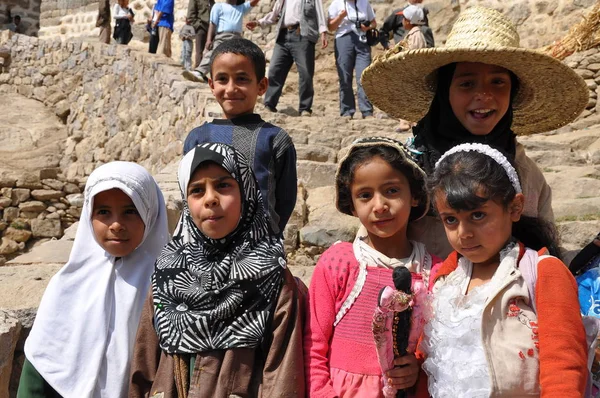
x: 186, y: 54
x: 351, y: 55
x: 292, y: 47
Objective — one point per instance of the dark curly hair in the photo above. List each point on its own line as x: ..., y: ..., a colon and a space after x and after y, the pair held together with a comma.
x: 469, y: 179
x: 362, y: 155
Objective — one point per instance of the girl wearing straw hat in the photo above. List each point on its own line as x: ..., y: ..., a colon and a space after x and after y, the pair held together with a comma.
x: 480, y: 87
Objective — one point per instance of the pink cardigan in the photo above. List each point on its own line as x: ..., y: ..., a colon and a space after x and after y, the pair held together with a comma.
x: 332, y: 281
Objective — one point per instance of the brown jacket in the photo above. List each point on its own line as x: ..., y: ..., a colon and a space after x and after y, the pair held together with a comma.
x: 103, y: 18
x: 239, y: 372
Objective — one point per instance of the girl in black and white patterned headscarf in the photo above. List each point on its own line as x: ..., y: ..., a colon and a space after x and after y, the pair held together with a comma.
x: 224, y: 317
x: 217, y: 293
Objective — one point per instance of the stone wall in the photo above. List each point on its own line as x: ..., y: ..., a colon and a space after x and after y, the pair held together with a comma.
x: 36, y: 207
x: 28, y: 10
x: 77, y: 18
x: 137, y: 104
x: 587, y: 65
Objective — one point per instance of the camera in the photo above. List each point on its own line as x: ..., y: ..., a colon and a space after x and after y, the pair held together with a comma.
x: 360, y: 24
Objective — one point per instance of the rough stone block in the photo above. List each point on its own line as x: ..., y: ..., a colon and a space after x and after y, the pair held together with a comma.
x: 8, y: 246
x: 29, y: 181
x: 7, y: 180
x: 20, y: 195
x: 33, y: 206
x: 75, y: 199
x: 5, y: 202
x: 46, y: 194
x: 51, y: 172
x: 316, y: 174
x: 54, y: 184
x: 10, y: 330
x: 10, y: 214
x: 18, y: 235
x: 46, y: 228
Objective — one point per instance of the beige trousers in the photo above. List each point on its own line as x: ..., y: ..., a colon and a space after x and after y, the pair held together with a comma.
x: 104, y: 36
x: 164, y: 41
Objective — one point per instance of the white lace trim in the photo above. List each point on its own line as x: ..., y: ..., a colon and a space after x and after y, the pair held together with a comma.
x: 366, y: 255
x: 491, y: 152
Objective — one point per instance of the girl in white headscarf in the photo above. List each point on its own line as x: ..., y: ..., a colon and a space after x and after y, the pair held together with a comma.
x: 82, y: 339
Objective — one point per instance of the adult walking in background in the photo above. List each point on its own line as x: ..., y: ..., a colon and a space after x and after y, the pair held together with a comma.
x: 198, y: 14
x: 103, y: 21
x: 393, y: 25
x: 164, y: 21
x: 351, y: 19
x: 123, y: 16
x: 299, y: 23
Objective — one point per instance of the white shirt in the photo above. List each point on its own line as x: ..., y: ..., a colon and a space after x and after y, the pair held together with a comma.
x: 293, y: 10
x: 364, y: 13
x: 120, y: 12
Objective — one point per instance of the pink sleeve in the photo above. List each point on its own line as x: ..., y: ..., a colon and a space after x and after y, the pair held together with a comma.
x: 325, y: 294
x: 563, y: 346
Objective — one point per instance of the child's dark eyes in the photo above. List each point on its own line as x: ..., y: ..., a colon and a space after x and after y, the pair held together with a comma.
x: 102, y: 212
x: 393, y: 190
x: 223, y: 185
x: 132, y: 211
x: 363, y: 195
x: 466, y: 84
x: 478, y: 215
x: 450, y: 220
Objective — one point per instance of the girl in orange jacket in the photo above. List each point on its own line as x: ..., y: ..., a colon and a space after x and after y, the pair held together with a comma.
x: 487, y: 337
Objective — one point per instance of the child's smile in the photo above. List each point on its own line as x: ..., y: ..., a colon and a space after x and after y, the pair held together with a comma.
x: 234, y: 84
x: 479, y: 95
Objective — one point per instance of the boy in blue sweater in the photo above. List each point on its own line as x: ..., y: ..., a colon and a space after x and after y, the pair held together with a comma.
x: 237, y: 70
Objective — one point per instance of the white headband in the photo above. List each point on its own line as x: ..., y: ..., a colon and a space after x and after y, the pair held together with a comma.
x: 491, y: 152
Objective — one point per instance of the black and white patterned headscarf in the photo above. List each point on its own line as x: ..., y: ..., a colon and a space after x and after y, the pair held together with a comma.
x: 218, y: 294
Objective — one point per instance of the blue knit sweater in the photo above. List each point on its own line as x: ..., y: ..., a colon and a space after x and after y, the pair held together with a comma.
x: 270, y: 151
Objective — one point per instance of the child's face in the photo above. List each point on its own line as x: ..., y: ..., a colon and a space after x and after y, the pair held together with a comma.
x: 479, y: 95
x: 234, y: 84
x: 214, y: 200
x: 480, y: 234
x: 381, y: 199
x: 117, y: 225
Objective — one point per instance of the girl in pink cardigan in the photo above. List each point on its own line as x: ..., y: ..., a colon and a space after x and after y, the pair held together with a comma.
x: 379, y: 183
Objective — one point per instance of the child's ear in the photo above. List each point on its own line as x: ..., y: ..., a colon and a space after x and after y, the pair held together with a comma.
x: 263, y: 84
x: 414, y: 202
x: 211, y: 85
x: 516, y: 207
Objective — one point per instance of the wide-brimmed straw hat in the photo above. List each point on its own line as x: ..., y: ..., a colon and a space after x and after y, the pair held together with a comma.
x: 551, y: 95
x: 407, y: 159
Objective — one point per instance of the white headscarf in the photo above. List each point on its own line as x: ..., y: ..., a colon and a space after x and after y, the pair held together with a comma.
x: 82, y: 338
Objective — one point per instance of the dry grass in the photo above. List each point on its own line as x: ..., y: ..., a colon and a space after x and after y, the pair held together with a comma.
x: 581, y: 37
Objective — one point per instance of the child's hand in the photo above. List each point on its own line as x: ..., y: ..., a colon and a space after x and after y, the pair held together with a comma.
x: 251, y: 25
x: 342, y: 14
x: 405, y: 374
